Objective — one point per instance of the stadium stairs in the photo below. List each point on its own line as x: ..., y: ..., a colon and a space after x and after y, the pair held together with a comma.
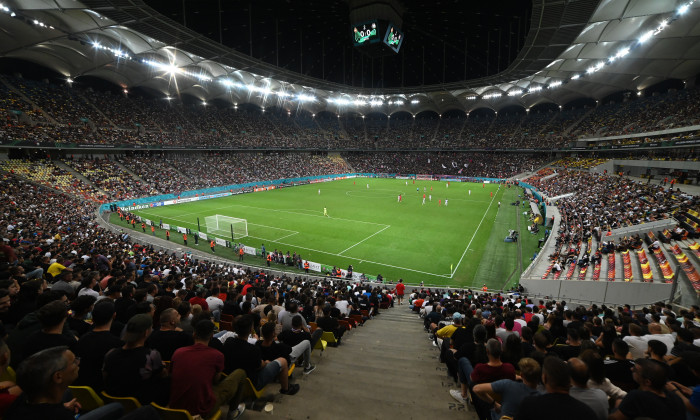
x: 75, y: 173
x: 386, y: 369
x: 130, y: 172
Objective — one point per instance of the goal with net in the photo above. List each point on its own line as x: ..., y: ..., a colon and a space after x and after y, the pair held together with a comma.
x: 222, y: 225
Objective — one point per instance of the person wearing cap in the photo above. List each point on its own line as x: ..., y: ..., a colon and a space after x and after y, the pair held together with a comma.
x: 198, y: 384
x: 135, y: 370
x: 448, y: 330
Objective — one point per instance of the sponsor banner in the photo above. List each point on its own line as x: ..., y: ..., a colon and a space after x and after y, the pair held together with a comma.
x: 186, y: 200
x: 219, y: 241
x: 136, y: 207
x: 168, y: 202
x: 157, y: 204
x: 182, y: 230
x: 425, y: 177
x: 267, y: 188
x: 249, y: 250
x: 97, y: 146
x: 166, y: 226
x: 404, y: 177
x: 148, y: 222
x: 630, y: 146
x: 451, y: 179
x: 206, y: 197
x: 313, y: 266
x: 203, y: 236
x: 356, y: 276
x: 693, y: 141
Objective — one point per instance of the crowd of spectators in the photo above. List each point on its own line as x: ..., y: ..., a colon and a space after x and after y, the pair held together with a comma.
x: 72, y: 114
x: 146, y: 307
x: 590, y: 362
x: 445, y: 163
x: 611, y: 202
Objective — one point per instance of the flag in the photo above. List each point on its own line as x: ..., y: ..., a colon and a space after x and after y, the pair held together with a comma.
x: 460, y: 171
x: 443, y: 166
x: 466, y: 165
x: 454, y: 164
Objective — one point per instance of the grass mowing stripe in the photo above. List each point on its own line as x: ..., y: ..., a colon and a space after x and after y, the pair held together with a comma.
x: 474, y: 235
x: 420, y: 246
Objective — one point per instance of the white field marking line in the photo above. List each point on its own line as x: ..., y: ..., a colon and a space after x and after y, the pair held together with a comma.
x: 294, y: 232
x: 474, y: 235
x: 326, y: 252
x: 287, y: 236
x: 309, y: 215
x: 375, y: 233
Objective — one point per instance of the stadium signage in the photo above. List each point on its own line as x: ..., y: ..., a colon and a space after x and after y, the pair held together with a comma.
x: 270, y: 187
x: 220, y: 241
x: 203, y: 235
x: 313, y: 266
x: 97, y: 146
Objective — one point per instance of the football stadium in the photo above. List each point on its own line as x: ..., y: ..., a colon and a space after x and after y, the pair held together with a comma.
x: 262, y: 209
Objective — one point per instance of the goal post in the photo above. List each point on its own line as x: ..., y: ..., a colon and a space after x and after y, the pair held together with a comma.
x: 225, y: 225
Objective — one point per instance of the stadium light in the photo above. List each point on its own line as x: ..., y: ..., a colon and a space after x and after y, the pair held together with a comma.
x: 305, y: 98
x: 515, y: 92
x: 684, y: 8
x: 554, y: 84
x: 646, y: 36
x: 575, y: 77
x: 415, y: 101
x: 69, y: 80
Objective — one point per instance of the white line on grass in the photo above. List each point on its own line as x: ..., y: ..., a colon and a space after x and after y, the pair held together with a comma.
x: 323, y: 252
x: 375, y: 233
x: 474, y: 235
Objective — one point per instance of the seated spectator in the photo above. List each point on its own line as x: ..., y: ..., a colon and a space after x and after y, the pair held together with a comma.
x: 44, y: 379
x: 572, y: 348
x: 596, y: 370
x: 557, y: 382
x: 594, y: 398
x: 80, y: 307
x: 169, y: 337
x: 618, y: 369
x: 636, y: 342
x: 8, y: 390
x: 52, y: 317
x: 510, y: 392
x: 240, y: 354
x: 198, y: 383
x: 301, y: 343
x: 652, y: 400
x: 135, y: 370
x: 330, y: 323
x: 93, y: 346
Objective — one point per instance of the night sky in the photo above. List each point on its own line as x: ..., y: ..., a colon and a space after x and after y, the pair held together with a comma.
x: 444, y: 40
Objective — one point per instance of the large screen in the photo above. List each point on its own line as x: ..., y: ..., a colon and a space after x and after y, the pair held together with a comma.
x: 365, y: 33
x: 393, y: 38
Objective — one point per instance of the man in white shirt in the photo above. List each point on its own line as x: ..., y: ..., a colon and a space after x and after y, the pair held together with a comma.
x: 655, y: 333
x: 637, y: 343
x: 215, y: 304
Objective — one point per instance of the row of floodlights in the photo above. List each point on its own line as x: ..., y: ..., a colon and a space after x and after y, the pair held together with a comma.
x: 173, y: 70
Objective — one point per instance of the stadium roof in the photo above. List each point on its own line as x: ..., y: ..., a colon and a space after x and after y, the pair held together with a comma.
x: 573, y: 49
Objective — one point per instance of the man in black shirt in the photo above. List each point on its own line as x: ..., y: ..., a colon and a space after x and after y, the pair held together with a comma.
x: 52, y: 317
x: 169, y: 337
x: 240, y: 354
x: 557, y: 381
x: 94, y: 345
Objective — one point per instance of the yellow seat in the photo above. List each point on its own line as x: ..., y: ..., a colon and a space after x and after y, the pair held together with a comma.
x: 129, y: 403
x: 87, y: 397
x: 258, y: 393
x: 321, y: 344
x: 166, y: 413
x: 9, y: 375
x: 329, y: 338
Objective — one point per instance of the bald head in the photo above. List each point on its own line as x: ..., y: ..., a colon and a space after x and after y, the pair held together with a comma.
x: 654, y: 328
x: 579, y: 372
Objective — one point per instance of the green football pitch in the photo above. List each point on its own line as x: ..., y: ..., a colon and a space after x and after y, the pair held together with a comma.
x: 455, y: 238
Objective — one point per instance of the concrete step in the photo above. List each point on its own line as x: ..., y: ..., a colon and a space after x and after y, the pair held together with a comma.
x: 387, y: 369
